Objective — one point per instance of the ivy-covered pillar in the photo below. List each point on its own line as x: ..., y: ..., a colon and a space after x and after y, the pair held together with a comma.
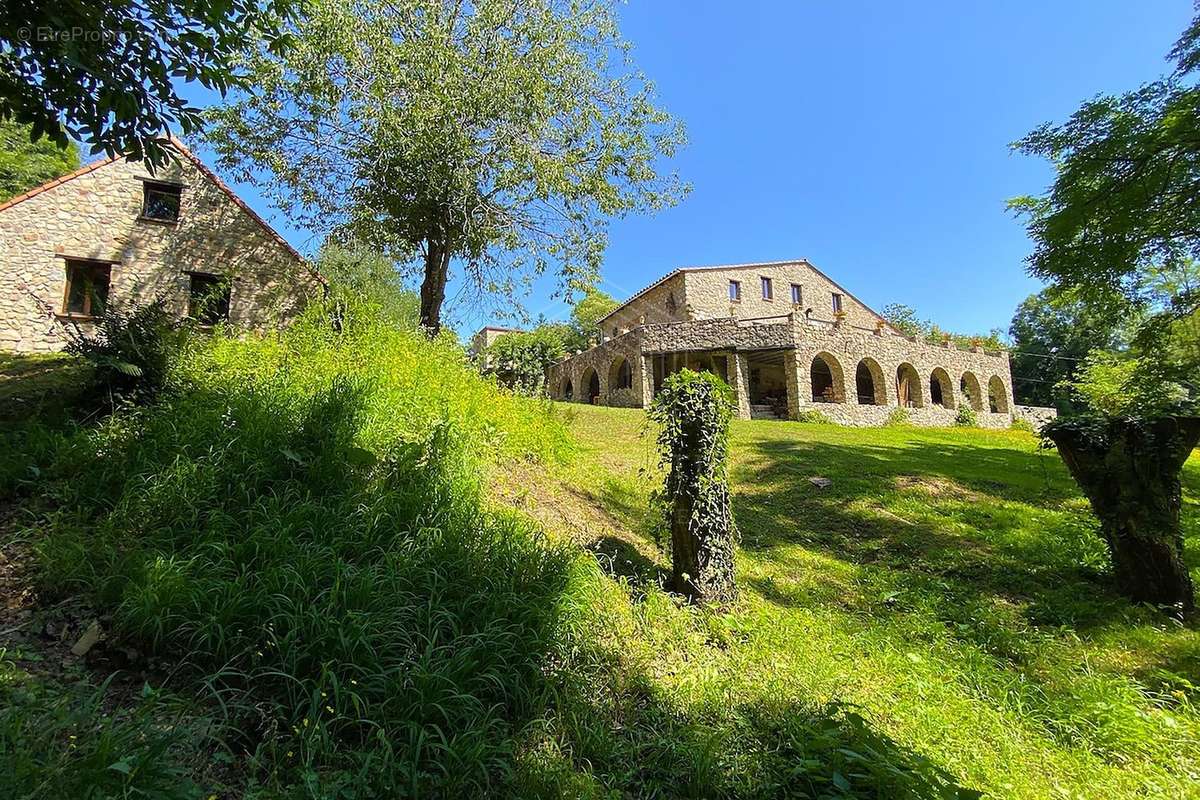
x: 1129, y: 469
x: 645, y: 385
x: 693, y: 411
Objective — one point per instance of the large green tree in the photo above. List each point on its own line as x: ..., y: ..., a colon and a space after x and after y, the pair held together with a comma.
x: 1051, y: 336
x: 1124, y: 207
x: 107, y: 72
x: 25, y: 164
x: 586, y: 313
x: 499, y: 136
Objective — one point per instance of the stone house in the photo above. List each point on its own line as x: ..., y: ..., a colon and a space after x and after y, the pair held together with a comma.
x: 482, y: 339
x: 787, y: 339
x: 112, y: 232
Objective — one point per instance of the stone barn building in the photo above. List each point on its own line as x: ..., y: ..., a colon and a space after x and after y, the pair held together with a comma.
x: 112, y: 232
x: 787, y: 339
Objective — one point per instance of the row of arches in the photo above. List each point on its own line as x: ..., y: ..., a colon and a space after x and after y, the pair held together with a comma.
x: 620, y: 376
x: 870, y: 386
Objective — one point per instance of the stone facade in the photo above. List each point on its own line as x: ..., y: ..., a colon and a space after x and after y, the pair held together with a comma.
x: 484, y: 338
x: 95, y: 216
x: 696, y: 293
x: 794, y: 362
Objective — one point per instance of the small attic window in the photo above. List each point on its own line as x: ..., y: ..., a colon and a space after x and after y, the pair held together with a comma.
x: 160, y: 201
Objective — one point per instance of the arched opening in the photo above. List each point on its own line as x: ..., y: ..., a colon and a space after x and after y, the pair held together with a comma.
x: 827, y: 381
x: 591, y: 384
x: 568, y: 391
x: 908, y: 387
x: 941, y: 390
x: 868, y: 383
x: 620, y: 375
x: 969, y: 385
x: 997, y: 396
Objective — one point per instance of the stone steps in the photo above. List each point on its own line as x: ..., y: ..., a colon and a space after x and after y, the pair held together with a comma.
x: 763, y: 411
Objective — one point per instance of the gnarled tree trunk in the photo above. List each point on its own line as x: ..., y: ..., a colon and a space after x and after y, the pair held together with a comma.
x: 433, y: 286
x: 1129, y: 470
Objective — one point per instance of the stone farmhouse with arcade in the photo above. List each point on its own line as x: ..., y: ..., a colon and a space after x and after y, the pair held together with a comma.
x: 788, y: 340
x: 113, y: 233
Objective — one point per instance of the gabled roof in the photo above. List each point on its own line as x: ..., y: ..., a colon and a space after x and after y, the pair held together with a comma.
x: 191, y: 157
x: 794, y: 261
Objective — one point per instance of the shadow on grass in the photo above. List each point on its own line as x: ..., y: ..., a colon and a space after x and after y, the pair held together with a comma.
x: 366, y: 626
x: 964, y: 528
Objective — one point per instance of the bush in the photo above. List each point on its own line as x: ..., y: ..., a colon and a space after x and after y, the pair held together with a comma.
x: 131, y: 350
x: 519, y: 360
x: 966, y: 417
x: 898, y: 417
x: 1025, y: 425
x: 813, y: 417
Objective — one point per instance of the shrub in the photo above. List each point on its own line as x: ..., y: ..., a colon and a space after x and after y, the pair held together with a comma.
x: 519, y: 360
x: 813, y: 417
x: 966, y: 417
x: 897, y: 417
x: 693, y: 411
x: 1025, y: 425
x: 131, y: 349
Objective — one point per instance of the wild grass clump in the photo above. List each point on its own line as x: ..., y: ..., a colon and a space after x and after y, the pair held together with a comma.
x: 299, y: 521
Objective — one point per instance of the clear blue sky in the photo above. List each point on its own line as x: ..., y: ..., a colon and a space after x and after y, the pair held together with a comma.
x: 870, y: 138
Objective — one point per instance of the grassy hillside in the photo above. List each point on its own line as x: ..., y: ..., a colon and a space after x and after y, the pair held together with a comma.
x: 343, y: 565
x: 949, y: 584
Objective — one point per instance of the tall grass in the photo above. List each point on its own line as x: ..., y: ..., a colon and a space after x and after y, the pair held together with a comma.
x: 300, y: 522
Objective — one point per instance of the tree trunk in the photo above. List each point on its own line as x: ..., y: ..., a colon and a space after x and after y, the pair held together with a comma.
x: 433, y: 286
x: 1130, y: 474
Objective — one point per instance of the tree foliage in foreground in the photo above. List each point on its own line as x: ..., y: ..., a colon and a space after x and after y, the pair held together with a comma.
x: 1123, y: 212
x: 107, y: 73
x: 1121, y: 222
x: 25, y: 164
x: 693, y: 411
x: 500, y: 136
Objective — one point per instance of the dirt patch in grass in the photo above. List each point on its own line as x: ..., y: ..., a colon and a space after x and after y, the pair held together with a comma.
x: 938, y: 487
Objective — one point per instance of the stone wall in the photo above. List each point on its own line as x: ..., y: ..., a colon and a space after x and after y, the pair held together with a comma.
x: 659, y: 304
x: 1037, y: 416
x: 841, y: 348
x: 707, y: 293
x: 95, y: 215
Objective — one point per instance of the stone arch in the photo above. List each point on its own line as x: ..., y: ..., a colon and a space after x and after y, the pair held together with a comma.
x: 620, y: 374
x: 968, y: 384
x: 568, y: 391
x: 941, y: 390
x: 909, y: 392
x: 868, y: 383
x: 589, y: 386
x: 828, y: 381
x: 997, y: 396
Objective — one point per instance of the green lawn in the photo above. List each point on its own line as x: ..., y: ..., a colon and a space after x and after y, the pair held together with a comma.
x: 38, y: 385
x: 949, y: 585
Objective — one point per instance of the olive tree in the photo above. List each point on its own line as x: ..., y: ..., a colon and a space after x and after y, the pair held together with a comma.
x: 693, y: 411
x: 498, y: 136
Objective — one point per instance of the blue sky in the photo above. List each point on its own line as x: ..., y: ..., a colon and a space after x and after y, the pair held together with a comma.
x: 870, y: 138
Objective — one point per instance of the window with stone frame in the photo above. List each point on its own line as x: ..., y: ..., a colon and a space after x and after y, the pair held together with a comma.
x: 86, y: 292
x: 735, y: 291
x: 160, y: 201
x: 208, y: 298
x: 797, y: 295
x: 767, y: 290
x: 837, y: 302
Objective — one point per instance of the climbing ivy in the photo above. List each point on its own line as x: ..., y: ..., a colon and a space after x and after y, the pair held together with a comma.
x: 693, y: 411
